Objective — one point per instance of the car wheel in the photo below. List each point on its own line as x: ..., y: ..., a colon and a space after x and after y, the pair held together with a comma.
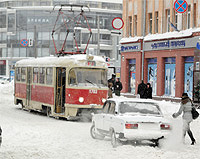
x: 114, y: 140
x: 92, y: 132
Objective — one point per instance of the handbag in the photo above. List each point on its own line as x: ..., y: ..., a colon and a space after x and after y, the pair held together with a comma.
x: 195, y: 113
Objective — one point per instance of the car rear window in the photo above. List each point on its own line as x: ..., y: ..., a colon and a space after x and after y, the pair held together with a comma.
x: 139, y: 107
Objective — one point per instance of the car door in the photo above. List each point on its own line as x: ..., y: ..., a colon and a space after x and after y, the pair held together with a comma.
x: 109, y: 120
x: 99, y: 118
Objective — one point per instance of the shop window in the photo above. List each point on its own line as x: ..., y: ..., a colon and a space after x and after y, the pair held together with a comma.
x: 152, y: 74
x: 42, y: 75
x: 188, y: 76
x: 170, y: 76
x: 35, y: 75
x: 132, y: 72
x: 23, y: 74
x: 49, y: 74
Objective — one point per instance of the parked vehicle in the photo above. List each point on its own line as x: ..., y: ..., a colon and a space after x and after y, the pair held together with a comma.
x: 126, y: 119
x: 4, y: 80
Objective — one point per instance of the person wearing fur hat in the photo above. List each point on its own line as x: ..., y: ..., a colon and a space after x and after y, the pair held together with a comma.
x: 186, y: 108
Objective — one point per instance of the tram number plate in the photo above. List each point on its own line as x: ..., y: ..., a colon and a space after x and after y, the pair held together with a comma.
x: 93, y: 91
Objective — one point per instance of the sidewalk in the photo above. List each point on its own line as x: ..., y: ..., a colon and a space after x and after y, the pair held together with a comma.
x: 159, y: 98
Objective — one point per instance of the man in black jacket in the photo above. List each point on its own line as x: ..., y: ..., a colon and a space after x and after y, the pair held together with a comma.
x: 142, y: 89
x: 149, y: 91
x: 118, y: 87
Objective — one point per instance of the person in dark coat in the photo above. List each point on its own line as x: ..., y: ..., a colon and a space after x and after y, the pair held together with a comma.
x: 118, y: 87
x: 186, y: 108
x: 112, y: 80
x: 110, y: 90
x: 149, y: 91
x: 142, y: 89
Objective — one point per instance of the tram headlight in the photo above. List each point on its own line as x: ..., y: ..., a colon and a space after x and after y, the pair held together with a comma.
x: 103, y: 100
x: 81, y: 99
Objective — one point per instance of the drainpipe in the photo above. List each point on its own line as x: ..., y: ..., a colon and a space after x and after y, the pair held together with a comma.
x: 144, y: 28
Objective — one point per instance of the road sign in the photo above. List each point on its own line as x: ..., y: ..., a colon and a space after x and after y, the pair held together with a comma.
x: 198, y: 45
x: 180, y: 6
x: 24, y: 42
x: 117, y: 23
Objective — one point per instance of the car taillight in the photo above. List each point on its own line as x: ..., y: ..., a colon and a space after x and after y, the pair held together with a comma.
x: 165, y: 127
x: 131, y: 126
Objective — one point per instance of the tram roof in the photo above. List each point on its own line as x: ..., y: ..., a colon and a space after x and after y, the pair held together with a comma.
x: 62, y: 61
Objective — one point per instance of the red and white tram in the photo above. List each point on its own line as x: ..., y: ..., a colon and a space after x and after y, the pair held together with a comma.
x: 61, y: 86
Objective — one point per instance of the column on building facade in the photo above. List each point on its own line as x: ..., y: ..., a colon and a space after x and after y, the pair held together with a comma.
x: 179, y: 89
x: 160, y: 76
x: 161, y: 17
x: 153, y: 17
x: 125, y: 71
x: 140, y: 18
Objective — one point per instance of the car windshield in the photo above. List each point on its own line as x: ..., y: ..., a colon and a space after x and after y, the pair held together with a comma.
x: 130, y: 107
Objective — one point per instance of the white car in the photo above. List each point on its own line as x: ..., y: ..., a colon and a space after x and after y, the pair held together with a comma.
x: 4, y: 80
x: 126, y: 119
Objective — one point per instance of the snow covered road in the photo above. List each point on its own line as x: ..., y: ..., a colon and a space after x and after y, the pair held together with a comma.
x: 34, y: 136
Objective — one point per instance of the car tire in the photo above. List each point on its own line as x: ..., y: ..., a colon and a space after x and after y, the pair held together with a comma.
x: 114, y: 140
x: 94, y: 134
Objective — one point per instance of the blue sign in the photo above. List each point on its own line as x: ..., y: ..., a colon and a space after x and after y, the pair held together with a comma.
x: 129, y: 48
x: 168, y: 44
x: 180, y: 6
x: 198, y: 45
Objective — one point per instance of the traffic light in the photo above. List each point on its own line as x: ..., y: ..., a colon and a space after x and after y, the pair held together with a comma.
x: 30, y: 42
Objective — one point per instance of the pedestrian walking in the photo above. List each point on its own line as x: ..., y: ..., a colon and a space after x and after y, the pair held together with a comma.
x: 112, y: 80
x: 186, y: 108
x: 117, y: 87
x: 149, y: 91
x: 110, y: 90
x: 142, y: 89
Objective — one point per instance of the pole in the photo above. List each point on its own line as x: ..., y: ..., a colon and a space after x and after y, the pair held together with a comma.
x: 144, y: 28
x: 35, y: 41
x: 98, y: 36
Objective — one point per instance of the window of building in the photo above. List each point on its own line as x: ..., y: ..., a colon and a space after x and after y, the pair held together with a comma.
x: 176, y: 19
x: 49, y: 74
x: 156, y: 22
x: 23, y: 74
x: 195, y: 15
x: 42, y: 75
x: 188, y: 16
x: 135, y: 25
x: 130, y: 26
x: 35, y: 75
x: 3, y: 19
x: 167, y: 20
x: 150, y: 23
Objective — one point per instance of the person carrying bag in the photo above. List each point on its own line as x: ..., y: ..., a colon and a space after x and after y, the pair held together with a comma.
x: 186, y: 108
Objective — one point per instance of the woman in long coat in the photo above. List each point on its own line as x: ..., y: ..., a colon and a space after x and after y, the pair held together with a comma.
x: 186, y: 108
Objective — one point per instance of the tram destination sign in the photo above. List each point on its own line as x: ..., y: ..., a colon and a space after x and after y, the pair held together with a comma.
x: 171, y: 44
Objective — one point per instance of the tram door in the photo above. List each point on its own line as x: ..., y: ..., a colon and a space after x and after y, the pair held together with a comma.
x: 28, y: 86
x: 60, y: 90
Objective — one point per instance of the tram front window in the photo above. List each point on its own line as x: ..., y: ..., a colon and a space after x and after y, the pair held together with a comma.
x: 88, y: 77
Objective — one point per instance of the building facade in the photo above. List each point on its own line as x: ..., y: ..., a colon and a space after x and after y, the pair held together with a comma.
x: 33, y: 22
x: 159, y: 46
